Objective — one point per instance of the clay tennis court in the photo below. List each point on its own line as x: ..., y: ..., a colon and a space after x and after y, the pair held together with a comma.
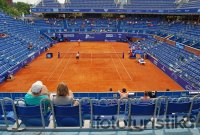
x: 91, y: 74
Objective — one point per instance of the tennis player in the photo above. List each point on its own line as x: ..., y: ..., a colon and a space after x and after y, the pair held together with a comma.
x: 77, y: 56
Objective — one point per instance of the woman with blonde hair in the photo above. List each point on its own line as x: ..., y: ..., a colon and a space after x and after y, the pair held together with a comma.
x: 64, y: 96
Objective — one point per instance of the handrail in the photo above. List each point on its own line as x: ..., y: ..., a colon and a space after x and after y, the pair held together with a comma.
x: 198, y: 115
x: 14, y: 110
x: 3, y: 111
x: 43, y: 104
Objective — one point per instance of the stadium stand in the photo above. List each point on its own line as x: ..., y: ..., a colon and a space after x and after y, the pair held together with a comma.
x: 103, y: 110
x: 176, y: 31
x: 179, y: 32
x: 178, y: 60
x: 191, y: 4
x: 109, y: 4
x: 150, y: 4
x: 18, y: 46
x: 48, y: 3
x: 102, y: 4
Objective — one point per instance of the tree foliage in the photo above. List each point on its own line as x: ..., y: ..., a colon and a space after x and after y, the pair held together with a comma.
x: 16, y: 9
x: 22, y: 7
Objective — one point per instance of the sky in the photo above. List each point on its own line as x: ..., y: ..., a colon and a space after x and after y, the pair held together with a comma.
x: 26, y: 1
x: 33, y: 1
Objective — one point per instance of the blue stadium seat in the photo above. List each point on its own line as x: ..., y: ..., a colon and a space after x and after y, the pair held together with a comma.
x: 33, y: 116
x: 104, y: 113
x: 7, y: 117
x: 140, y: 112
x: 68, y: 116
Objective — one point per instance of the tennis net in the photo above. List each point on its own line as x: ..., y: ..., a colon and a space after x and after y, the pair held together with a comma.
x: 91, y: 55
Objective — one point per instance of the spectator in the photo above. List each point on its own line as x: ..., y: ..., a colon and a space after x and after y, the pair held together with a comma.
x: 146, y: 96
x: 110, y: 89
x: 30, y: 46
x: 167, y: 89
x: 37, y: 92
x: 64, y: 96
x: 123, y: 93
x: 10, y: 77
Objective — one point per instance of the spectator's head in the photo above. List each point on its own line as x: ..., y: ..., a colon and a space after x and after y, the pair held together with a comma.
x: 167, y: 89
x: 124, y: 90
x: 146, y: 93
x: 36, y: 87
x: 62, y: 89
x: 110, y: 89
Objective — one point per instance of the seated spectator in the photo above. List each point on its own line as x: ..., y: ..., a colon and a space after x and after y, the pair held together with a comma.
x: 30, y: 46
x: 2, y: 35
x: 10, y: 77
x: 167, y: 89
x: 37, y: 92
x: 64, y: 96
x: 123, y: 93
x: 146, y: 96
x: 110, y: 89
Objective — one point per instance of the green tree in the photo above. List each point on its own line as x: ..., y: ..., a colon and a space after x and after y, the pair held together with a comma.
x: 16, y: 9
x: 22, y: 7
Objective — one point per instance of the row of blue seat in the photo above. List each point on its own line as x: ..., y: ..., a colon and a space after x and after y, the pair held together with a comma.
x: 100, y: 111
x: 183, y: 63
x: 185, y: 33
x: 111, y: 4
x: 14, y: 48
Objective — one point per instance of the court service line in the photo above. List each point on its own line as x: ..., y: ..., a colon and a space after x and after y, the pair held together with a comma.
x: 57, y: 65
x: 116, y: 69
x: 122, y: 64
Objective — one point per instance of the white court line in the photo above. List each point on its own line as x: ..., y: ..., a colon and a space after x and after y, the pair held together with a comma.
x: 98, y: 80
x: 122, y: 63
x: 57, y: 65
x: 55, y: 69
x: 91, y: 58
x: 116, y: 69
x: 65, y: 67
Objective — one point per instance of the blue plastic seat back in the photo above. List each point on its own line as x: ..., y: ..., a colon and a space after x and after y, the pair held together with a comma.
x: 7, y: 108
x: 31, y: 116
x: 9, y: 114
x: 86, y: 108
x: 162, y: 109
x: 178, y: 107
x: 196, y: 105
x: 122, y: 108
x: 142, y: 109
x: 67, y: 116
x: 105, y: 110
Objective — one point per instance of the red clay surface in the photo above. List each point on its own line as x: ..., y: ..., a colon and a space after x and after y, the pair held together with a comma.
x: 91, y: 74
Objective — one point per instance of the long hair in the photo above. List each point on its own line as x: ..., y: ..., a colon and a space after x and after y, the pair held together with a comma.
x: 62, y: 89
